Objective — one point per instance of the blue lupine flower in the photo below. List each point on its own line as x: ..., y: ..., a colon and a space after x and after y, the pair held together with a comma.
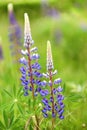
x: 53, y: 100
x: 30, y: 71
x: 14, y: 32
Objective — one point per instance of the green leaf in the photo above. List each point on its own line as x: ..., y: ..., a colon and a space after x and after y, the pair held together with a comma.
x: 15, y: 121
x: 20, y: 108
x: 29, y: 103
x: 11, y: 107
x: 11, y: 118
x: 19, y: 93
x: 5, y: 118
x: 30, y: 128
x: 2, y: 126
x: 74, y: 97
x: 7, y: 92
x: 14, y: 90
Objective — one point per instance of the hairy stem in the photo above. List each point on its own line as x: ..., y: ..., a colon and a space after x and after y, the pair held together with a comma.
x: 52, y: 95
x: 31, y: 76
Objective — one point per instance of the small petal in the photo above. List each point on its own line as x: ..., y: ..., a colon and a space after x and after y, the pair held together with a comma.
x: 59, y: 89
x: 44, y: 92
x: 24, y: 52
x: 57, y: 81
x: 54, y: 91
x: 45, y: 115
x: 23, y: 70
x: 44, y: 110
x: 51, y: 99
x: 60, y: 111
x: 34, y: 49
x: 23, y: 61
x: 45, y: 101
x: 48, y: 107
x: 55, y: 72
x: 43, y: 83
x: 45, y: 75
x: 61, y: 117
x: 26, y: 93
x: 35, y: 56
x: 56, y: 107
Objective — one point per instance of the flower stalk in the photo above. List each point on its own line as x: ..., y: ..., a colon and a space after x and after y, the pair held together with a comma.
x: 30, y: 71
x: 14, y: 33
x: 53, y: 102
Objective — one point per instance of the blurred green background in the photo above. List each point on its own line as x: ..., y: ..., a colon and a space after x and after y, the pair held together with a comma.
x: 62, y: 22
x: 66, y: 29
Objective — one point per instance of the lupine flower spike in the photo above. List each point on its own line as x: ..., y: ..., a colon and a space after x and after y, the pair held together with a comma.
x: 14, y: 32
x: 30, y: 71
x: 54, y: 101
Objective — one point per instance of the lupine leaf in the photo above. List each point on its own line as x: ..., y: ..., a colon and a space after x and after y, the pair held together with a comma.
x: 5, y: 118
x: 15, y: 121
x: 11, y: 107
x: 3, y: 106
x: 19, y: 93
x: 29, y: 103
x: 7, y: 92
x: 2, y: 126
x: 14, y: 90
x: 20, y: 108
x: 12, y: 118
x: 74, y: 97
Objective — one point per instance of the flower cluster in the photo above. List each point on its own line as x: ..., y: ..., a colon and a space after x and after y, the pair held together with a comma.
x: 54, y: 101
x: 30, y: 66
x: 14, y: 31
x: 52, y: 98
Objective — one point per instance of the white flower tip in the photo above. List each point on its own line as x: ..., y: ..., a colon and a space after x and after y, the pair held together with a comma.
x: 10, y: 7
x: 49, y: 57
x: 27, y: 24
x: 48, y: 42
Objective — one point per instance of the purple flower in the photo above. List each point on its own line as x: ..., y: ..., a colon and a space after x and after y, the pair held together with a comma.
x: 44, y: 92
x: 45, y: 115
x: 14, y: 32
x: 30, y: 66
x: 53, y: 101
x: 45, y: 101
x: 59, y: 89
x: 44, y: 110
x: 57, y: 81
